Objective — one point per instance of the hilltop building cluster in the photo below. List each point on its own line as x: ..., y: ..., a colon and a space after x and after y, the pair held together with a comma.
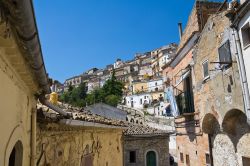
x: 142, y: 78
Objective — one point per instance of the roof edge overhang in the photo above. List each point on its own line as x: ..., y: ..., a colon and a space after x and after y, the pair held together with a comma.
x: 78, y: 123
x: 20, y: 15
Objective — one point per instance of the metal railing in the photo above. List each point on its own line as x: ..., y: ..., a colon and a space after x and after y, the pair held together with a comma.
x: 185, y: 102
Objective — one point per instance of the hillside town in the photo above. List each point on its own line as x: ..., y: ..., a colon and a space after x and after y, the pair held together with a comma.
x: 184, y: 104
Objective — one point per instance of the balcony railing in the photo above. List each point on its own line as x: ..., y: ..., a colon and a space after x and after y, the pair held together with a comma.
x: 185, y: 102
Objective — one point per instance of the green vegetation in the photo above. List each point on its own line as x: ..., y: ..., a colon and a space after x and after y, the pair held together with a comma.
x: 110, y: 93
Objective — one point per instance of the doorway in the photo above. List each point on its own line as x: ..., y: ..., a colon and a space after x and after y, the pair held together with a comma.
x: 16, y: 155
x: 151, y: 158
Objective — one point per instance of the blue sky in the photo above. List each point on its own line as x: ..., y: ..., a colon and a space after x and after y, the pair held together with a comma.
x: 80, y: 34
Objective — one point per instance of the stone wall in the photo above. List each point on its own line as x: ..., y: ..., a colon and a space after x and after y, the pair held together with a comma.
x: 158, y: 144
x: 219, y: 98
x: 68, y: 146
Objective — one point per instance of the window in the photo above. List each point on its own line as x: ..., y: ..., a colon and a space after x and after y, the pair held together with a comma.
x: 145, y: 97
x: 156, y: 84
x: 208, y: 161
x: 245, y: 161
x: 87, y: 160
x: 141, y: 87
x: 181, y: 157
x: 225, y: 54
x: 187, y: 160
x: 205, y: 69
x: 140, y: 101
x: 245, y: 33
x: 132, y: 156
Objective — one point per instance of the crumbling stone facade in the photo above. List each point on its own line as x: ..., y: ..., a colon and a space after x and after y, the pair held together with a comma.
x: 59, y: 144
x: 218, y: 97
x: 192, y: 144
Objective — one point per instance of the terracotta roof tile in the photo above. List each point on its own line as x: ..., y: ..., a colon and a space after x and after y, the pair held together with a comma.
x: 143, y: 130
x: 47, y: 115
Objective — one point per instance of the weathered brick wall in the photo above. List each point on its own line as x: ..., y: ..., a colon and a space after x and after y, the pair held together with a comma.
x: 143, y: 144
x: 197, y: 19
x: 194, y: 146
x: 66, y: 145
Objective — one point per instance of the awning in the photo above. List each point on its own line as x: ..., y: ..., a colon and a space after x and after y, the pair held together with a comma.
x: 182, y: 77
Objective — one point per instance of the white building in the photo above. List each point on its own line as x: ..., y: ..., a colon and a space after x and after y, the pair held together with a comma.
x: 138, y: 101
x: 158, y: 109
x: 155, y: 85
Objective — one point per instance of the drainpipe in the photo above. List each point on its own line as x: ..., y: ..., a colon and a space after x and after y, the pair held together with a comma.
x: 33, y: 137
x: 54, y: 107
x: 242, y: 69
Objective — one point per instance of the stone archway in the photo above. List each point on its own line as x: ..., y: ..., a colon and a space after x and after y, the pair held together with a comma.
x: 210, y: 124
x: 236, y: 127
x: 235, y: 122
x: 16, y: 155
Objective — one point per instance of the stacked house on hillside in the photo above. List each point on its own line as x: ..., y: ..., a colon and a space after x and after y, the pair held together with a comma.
x: 142, y: 78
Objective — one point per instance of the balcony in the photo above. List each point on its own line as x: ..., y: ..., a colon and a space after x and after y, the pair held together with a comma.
x: 185, y: 102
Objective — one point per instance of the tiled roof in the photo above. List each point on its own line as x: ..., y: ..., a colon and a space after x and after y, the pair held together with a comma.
x: 47, y: 115
x: 134, y: 130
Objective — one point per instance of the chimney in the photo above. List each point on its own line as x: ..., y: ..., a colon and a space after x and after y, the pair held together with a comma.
x: 180, y: 29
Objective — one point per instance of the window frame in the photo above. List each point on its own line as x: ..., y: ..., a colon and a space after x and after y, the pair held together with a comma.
x: 203, y: 70
x: 187, y: 160
x: 246, y: 34
x: 181, y: 157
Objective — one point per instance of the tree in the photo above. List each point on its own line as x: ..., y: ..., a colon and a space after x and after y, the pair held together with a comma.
x: 113, y: 86
x: 111, y: 93
x: 112, y: 100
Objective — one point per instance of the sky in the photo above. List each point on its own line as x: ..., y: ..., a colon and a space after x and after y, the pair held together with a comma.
x: 77, y: 35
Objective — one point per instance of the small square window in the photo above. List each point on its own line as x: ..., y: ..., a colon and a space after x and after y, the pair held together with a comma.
x: 187, y: 160
x: 181, y: 157
x: 245, y: 34
x: 205, y: 69
x: 132, y: 156
x: 208, y: 161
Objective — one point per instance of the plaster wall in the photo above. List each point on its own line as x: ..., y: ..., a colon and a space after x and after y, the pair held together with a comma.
x: 66, y: 146
x: 17, y: 103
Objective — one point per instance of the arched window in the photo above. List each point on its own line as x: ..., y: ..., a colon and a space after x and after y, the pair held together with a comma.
x: 151, y: 158
x: 87, y: 160
x: 16, y: 155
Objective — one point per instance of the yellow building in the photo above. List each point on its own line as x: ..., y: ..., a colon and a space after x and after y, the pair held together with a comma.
x: 88, y: 140
x: 140, y: 87
x: 157, y: 95
x: 23, y: 77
